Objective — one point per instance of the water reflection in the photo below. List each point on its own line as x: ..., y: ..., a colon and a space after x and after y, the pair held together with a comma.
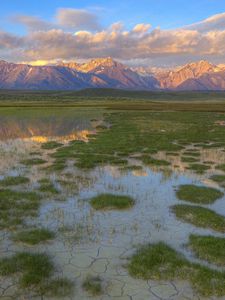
x: 42, y: 124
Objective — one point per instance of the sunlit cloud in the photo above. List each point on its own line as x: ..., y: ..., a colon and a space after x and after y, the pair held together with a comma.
x: 77, y: 34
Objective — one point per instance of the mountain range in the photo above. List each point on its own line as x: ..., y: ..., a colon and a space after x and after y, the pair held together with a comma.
x: 108, y: 73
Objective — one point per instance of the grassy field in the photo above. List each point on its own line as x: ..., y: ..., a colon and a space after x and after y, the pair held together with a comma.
x: 116, y: 99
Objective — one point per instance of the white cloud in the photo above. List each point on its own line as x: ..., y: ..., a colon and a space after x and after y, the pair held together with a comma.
x: 140, y: 43
x: 216, y: 22
x: 77, y: 19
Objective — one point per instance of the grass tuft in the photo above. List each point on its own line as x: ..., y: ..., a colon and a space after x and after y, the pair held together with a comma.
x: 198, y: 194
x: 93, y: 285
x: 11, y: 180
x: 209, y: 248
x: 110, y: 201
x: 161, y: 262
x: 34, y: 236
x: 200, y: 216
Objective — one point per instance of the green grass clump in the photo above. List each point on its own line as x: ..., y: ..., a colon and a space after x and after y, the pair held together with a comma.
x: 11, y: 180
x: 209, y: 248
x: 51, y: 145
x: 147, y: 160
x: 110, y: 201
x: 218, y: 178
x: 200, y: 216
x: 15, y: 206
x: 46, y: 186
x: 33, y: 161
x: 199, y: 168
x: 221, y: 167
x: 93, y: 285
x: 188, y: 159
x: 131, y: 168
x: 161, y: 262
x: 192, y: 153
x: 34, y: 236
x: 34, y: 268
x: 198, y: 194
x: 57, y: 288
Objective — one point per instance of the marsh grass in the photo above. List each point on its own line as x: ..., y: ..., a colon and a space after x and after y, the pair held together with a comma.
x: 209, y: 248
x: 34, y: 268
x: 11, y: 180
x: 147, y: 160
x: 46, y: 186
x: 218, y: 178
x: 161, y: 262
x: 198, y: 168
x: 146, y: 132
x: 15, y: 206
x: 110, y: 201
x: 51, y: 145
x: 34, y: 236
x: 200, y: 217
x: 188, y: 159
x: 33, y: 161
x: 57, y: 288
x: 221, y: 167
x: 93, y: 285
x: 198, y: 194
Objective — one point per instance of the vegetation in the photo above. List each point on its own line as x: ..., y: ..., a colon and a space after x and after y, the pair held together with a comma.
x: 198, y: 194
x: 200, y: 216
x: 221, y: 167
x: 11, y: 180
x: 209, y: 248
x: 51, y: 145
x: 109, y: 201
x: 199, y: 168
x: 34, y: 268
x: 160, y: 262
x: 33, y: 161
x: 46, y: 186
x: 218, y: 178
x: 15, y: 206
x: 33, y: 236
x: 93, y: 285
x: 57, y: 288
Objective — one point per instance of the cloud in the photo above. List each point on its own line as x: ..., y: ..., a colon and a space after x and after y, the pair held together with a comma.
x: 32, y: 23
x: 139, y: 43
x: 213, y: 23
x: 141, y: 28
x: 77, y: 19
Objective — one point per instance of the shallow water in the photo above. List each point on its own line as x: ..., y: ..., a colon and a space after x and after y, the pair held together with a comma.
x: 93, y: 242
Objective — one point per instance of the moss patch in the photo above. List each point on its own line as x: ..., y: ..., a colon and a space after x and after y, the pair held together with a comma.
x: 209, y: 248
x: 109, y: 201
x: 198, y: 194
x: 200, y: 216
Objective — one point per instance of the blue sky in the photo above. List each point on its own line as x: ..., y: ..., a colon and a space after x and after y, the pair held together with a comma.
x: 149, y: 32
x: 164, y: 13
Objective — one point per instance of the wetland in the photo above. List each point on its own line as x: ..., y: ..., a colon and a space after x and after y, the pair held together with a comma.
x: 108, y: 201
